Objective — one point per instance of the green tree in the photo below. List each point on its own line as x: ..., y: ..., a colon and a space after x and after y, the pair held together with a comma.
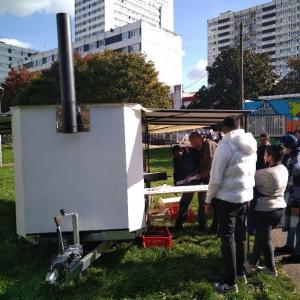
x: 223, y: 79
x: 102, y: 78
x: 290, y: 84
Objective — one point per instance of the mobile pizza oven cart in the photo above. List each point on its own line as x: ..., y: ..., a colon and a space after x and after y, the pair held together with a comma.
x: 86, y: 163
x: 96, y: 173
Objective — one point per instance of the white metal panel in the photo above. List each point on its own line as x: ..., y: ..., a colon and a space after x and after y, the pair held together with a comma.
x: 85, y: 172
x: 18, y: 170
x: 135, y: 180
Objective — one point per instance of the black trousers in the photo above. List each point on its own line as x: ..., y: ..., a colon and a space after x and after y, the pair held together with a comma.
x: 184, y: 203
x: 232, y: 222
x: 265, y: 221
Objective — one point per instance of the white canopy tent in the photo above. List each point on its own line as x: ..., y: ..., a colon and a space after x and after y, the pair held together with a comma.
x: 170, y: 120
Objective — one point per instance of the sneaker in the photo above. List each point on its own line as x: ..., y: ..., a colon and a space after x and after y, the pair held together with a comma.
x: 265, y: 270
x: 270, y: 272
x: 284, y: 249
x: 255, y: 268
x: 242, y: 279
x: 224, y: 288
x: 291, y: 259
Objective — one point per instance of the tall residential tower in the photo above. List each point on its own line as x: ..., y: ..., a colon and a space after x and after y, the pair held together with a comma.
x: 93, y: 17
x: 272, y: 27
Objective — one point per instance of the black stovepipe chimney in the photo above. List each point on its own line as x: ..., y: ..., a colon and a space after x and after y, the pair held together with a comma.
x: 66, y: 67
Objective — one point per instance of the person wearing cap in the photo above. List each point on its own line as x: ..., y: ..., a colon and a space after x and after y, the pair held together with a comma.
x: 231, y: 185
x: 291, y: 148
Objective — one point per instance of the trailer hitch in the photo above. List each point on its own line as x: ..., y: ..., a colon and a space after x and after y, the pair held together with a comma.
x: 67, y: 257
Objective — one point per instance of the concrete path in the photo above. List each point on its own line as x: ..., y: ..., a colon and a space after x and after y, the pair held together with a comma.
x: 292, y: 270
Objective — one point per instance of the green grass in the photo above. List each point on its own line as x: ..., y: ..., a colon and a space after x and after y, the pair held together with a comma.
x: 7, y: 154
x: 127, y: 271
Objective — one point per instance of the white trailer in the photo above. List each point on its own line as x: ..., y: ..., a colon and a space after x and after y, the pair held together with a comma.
x: 98, y: 174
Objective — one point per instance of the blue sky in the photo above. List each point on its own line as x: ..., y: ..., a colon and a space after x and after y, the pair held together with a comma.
x: 33, y: 22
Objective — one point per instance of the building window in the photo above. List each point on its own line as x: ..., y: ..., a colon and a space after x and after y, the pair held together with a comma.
x: 268, y: 8
x: 269, y: 15
x: 223, y: 48
x: 224, y: 41
x: 268, y: 38
x: 268, y: 30
x: 269, y: 23
x: 113, y: 39
x: 223, y: 27
x: 223, y: 21
x: 268, y: 46
x: 223, y: 34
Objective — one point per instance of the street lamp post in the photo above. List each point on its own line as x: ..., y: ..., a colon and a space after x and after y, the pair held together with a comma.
x: 241, y: 68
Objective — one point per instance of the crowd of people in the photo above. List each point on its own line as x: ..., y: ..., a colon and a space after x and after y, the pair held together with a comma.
x: 251, y: 188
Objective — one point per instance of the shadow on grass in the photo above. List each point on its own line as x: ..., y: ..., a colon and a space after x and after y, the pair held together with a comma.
x: 144, y: 278
x: 125, y: 272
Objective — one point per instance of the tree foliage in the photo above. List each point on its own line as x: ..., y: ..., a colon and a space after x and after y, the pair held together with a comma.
x: 13, y: 84
x: 223, y: 80
x: 290, y: 84
x: 101, y: 78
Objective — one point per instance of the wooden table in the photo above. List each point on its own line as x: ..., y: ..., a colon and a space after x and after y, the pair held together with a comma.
x: 167, y: 189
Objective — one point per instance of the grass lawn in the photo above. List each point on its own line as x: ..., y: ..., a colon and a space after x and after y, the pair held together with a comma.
x: 127, y: 271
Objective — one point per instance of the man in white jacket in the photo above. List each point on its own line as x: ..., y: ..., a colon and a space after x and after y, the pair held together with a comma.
x: 231, y: 185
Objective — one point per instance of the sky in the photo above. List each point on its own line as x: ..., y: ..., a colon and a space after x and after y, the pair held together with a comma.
x: 32, y: 23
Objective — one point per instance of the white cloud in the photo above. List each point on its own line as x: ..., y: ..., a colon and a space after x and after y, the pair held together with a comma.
x: 16, y: 43
x: 29, y: 7
x: 198, y: 70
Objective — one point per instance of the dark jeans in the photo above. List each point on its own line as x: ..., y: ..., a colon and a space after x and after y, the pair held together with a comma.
x: 184, y: 203
x: 265, y: 221
x: 232, y: 221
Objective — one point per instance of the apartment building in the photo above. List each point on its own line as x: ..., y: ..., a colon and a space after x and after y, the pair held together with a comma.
x: 93, y: 17
x: 162, y: 47
x: 272, y: 27
x: 9, y: 55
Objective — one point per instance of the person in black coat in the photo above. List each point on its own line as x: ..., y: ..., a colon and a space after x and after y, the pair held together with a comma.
x: 264, y: 140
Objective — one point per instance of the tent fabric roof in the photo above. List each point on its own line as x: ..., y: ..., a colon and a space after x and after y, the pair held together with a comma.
x: 165, y: 120
x: 168, y: 120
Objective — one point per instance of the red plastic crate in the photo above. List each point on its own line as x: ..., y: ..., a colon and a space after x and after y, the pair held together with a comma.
x: 190, y: 218
x: 157, y: 236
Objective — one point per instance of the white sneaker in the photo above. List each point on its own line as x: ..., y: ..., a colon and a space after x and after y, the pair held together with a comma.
x: 266, y: 270
x: 256, y: 268
x: 243, y: 279
x: 224, y: 288
x: 273, y: 273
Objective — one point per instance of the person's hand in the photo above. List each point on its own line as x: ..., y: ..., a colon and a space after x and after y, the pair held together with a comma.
x: 189, y: 179
x: 207, y: 208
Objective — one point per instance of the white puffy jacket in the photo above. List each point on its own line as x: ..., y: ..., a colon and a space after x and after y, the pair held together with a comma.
x: 233, y: 168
